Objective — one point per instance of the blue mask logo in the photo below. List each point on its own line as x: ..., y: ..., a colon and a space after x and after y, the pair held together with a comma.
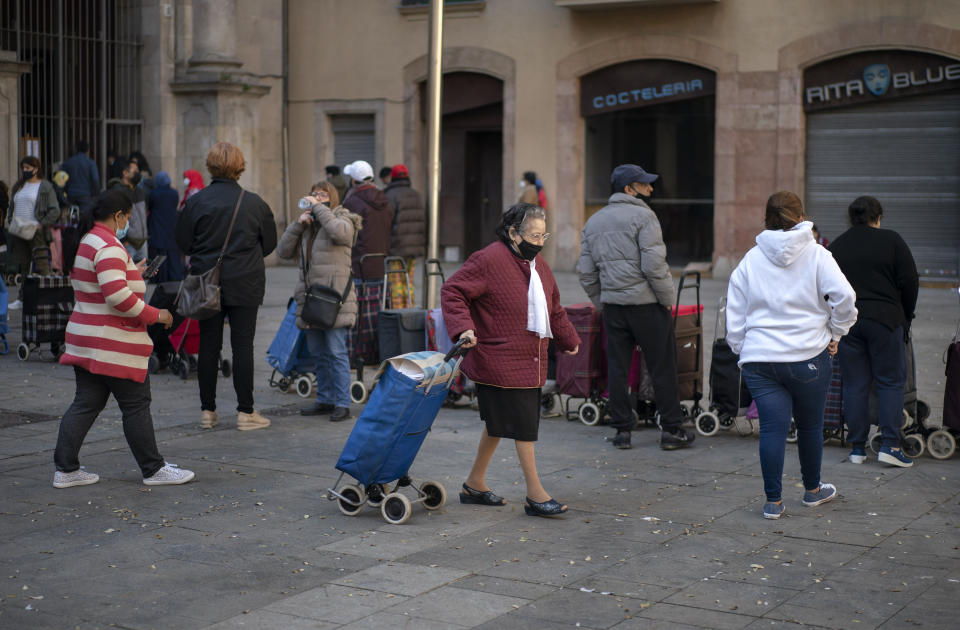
x: 877, y: 78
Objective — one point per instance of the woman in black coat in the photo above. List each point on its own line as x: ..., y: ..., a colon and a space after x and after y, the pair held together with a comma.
x: 201, y: 230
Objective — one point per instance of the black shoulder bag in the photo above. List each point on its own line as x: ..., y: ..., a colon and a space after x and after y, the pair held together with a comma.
x: 199, y: 295
x: 321, y: 304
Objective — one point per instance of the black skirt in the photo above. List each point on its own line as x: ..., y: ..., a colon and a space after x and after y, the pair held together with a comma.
x: 510, y: 413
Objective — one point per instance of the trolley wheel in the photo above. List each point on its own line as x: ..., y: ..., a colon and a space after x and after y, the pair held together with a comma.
x: 876, y: 442
x: 375, y: 496
x: 708, y: 424
x: 912, y: 445
x: 353, y: 502
x: 153, y: 364
x: 395, y: 508
x: 304, y: 386
x: 589, y: 414
x: 941, y: 444
x: 923, y: 411
x: 358, y: 393
x: 547, y: 403
x: 435, y: 495
x: 792, y: 434
x: 225, y: 368
x: 18, y: 280
x: 283, y: 384
x: 906, y: 419
x: 23, y: 352
x: 183, y: 370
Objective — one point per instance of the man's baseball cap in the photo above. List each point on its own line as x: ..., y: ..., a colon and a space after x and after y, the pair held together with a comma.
x: 626, y: 174
x: 359, y: 170
x: 399, y: 171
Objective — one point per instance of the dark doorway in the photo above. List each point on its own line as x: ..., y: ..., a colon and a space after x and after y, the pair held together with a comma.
x: 483, y: 188
x: 471, y: 161
x: 674, y: 140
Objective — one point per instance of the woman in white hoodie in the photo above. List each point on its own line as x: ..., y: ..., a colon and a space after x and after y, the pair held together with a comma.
x: 788, y: 304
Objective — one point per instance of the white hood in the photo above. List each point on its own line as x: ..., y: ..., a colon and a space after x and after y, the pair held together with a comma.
x: 782, y: 248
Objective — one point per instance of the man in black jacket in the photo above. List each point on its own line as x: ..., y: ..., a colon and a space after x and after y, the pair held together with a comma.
x: 201, y: 231
x: 880, y: 268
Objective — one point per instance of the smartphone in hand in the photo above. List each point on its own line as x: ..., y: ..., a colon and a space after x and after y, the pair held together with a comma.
x: 151, y: 269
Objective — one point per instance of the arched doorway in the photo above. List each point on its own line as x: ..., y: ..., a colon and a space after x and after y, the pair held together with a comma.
x: 471, y: 158
x: 658, y: 114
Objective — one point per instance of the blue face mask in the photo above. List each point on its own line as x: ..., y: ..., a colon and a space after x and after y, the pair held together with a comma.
x: 122, y: 232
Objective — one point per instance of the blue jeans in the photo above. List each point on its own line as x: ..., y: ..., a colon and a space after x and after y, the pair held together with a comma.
x: 137, y: 253
x: 333, y: 365
x: 781, y: 390
x: 872, y: 353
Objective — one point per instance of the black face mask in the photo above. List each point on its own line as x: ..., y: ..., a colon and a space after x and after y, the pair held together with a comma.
x: 528, y: 251
x: 27, y: 175
x: 135, y: 179
x: 639, y: 195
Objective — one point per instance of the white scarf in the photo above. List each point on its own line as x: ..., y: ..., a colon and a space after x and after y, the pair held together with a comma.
x: 538, y: 317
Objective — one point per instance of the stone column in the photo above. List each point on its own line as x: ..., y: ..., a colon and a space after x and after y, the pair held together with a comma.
x: 215, y: 35
x: 10, y: 71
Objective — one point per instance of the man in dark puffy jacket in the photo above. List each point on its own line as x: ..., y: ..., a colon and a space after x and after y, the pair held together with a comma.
x: 409, y: 225
x: 623, y: 268
x: 372, y: 205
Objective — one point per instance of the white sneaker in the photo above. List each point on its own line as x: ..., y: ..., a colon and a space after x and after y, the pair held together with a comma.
x: 16, y: 305
x: 169, y: 475
x: 79, y: 477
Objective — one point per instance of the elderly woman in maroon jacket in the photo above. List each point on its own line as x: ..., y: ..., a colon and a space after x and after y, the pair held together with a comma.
x: 505, y: 302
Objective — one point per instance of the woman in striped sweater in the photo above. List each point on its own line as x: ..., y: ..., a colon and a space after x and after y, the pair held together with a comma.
x: 108, y: 346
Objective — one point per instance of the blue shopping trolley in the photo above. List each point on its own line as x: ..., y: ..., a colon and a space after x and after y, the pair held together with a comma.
x: 405, y: 400
x: 290, y: 358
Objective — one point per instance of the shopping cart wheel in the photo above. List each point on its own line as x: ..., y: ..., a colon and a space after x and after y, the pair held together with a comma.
x: 906, y: 419
x: 912, y: 445
x: 589, y: 413
x: 18, y: 280
x: 375, y: 494
x: 395, y: 508
x: 225, y: 368
x: 876, y: 441
x: 708, y: 424
x: 304, y: 386
x: 941, y: 444
x: 183, y: 370
x: 352, y: 501
x: 358, y: 392
x: 153, y: 364
x: 435, y: 495
x: 547, y: 403
x: 923, y: 411
x: 792, y: 434
x: 23, y: 352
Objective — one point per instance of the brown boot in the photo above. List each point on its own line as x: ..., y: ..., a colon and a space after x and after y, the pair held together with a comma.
x: 251, y: 421
x: 208, y: 419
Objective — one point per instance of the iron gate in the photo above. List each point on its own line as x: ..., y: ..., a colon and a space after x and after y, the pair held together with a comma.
x: 83, y: 83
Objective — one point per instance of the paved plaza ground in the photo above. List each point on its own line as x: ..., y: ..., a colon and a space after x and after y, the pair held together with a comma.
x: 652, y: 539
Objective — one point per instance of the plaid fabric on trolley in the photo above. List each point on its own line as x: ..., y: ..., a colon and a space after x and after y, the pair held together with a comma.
x: 833, y: 412
x: 362, y: 339
x: 47, y: 305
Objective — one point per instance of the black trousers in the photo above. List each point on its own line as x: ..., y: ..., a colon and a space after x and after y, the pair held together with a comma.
x: 649, y: 326
x: 243, y: 326
x: 93, y: 391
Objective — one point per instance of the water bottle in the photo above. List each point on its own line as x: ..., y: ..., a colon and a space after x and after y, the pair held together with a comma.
x: 304, y: 203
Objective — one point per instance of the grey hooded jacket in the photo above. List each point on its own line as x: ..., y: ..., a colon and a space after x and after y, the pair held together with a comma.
x: 622, y: 256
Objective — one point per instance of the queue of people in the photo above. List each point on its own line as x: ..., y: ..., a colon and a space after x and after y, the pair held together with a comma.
x: 852, y: 301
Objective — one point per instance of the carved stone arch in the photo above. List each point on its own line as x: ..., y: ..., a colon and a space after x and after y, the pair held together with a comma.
x: 568, y: 204
x: 460, y: 59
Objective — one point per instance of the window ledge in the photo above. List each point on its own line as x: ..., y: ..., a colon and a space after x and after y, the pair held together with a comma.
x: 454, y: 9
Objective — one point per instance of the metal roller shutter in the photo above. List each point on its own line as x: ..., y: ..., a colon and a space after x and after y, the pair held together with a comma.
x: 904, y: 152
x: 353, y: 138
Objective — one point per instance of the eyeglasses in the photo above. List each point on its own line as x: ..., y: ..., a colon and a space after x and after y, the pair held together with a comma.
x: 537, y: 237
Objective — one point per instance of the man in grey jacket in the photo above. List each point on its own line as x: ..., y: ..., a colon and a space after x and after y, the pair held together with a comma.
x: 623, y: 268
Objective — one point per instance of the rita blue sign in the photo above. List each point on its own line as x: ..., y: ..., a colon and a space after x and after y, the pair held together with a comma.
x: 642, y: 83
x: 873, y: 76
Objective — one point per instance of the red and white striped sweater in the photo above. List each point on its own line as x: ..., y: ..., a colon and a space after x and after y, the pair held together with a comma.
x: 107, y: 332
